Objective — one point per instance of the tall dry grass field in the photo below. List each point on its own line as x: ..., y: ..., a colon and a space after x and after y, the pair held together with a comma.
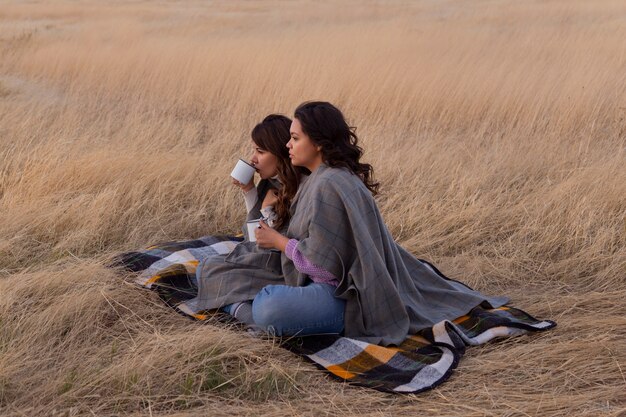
x: 497, y: 129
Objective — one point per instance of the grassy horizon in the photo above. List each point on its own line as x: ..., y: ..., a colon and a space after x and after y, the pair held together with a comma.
x: 497, y: 131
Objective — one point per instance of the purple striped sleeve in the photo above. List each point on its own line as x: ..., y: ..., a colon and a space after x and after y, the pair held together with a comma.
x: 305, y: 266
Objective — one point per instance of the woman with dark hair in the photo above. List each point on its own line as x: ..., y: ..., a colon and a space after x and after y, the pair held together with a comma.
x: 231, y: 281
x: 343, y: 270
x: 279, y: 178
x: 221, y: 278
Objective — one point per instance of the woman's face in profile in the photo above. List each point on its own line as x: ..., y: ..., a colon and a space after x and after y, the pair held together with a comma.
x: 265, y: 162
x: 302, y: 151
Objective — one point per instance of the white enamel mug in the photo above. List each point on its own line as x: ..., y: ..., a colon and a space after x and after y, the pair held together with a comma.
x: 243, y: 172
x: 252, y: 226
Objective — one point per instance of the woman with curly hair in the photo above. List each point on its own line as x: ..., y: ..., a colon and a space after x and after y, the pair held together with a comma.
x: 343, y: 271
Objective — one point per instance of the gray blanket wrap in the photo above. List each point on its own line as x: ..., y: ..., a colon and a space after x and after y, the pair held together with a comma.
x: 389, y: 293
x: 240, y: 275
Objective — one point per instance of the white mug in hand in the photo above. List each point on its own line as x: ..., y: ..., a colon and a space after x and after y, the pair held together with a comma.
x: 243, y: 172
x: 252, y: 226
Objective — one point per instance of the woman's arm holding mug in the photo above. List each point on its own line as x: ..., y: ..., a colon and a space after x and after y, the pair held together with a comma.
x: 268, y: 238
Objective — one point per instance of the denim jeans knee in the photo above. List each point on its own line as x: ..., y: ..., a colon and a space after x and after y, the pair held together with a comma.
x: 286, y: 311
x: 266, y: 308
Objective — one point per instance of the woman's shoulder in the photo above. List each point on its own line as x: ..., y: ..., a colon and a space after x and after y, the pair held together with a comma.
x: 337, y: 174
x: 342, y: 180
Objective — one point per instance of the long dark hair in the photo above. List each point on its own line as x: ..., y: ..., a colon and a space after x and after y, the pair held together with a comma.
x: 272, y: 135
x: 326, y: 126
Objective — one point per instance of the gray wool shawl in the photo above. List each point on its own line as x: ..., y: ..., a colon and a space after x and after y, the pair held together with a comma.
x: 389, y: 293
x: 240, y: 275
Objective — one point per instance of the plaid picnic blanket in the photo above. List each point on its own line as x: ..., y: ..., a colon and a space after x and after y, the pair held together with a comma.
x: 420, y: 363
x: 170, y: 268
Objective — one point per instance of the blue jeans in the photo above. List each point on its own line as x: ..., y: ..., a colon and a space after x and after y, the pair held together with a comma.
x: 288, y: 311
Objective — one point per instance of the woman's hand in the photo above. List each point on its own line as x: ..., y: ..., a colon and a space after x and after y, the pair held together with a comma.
x: 244, y: 187
x: 270, y: 198
x: 268, y: 238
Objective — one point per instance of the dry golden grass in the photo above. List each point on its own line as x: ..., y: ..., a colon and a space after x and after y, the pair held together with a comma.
x: 497, y: 130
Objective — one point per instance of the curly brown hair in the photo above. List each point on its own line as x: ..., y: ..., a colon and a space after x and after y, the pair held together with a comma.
x: 326, y: 126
